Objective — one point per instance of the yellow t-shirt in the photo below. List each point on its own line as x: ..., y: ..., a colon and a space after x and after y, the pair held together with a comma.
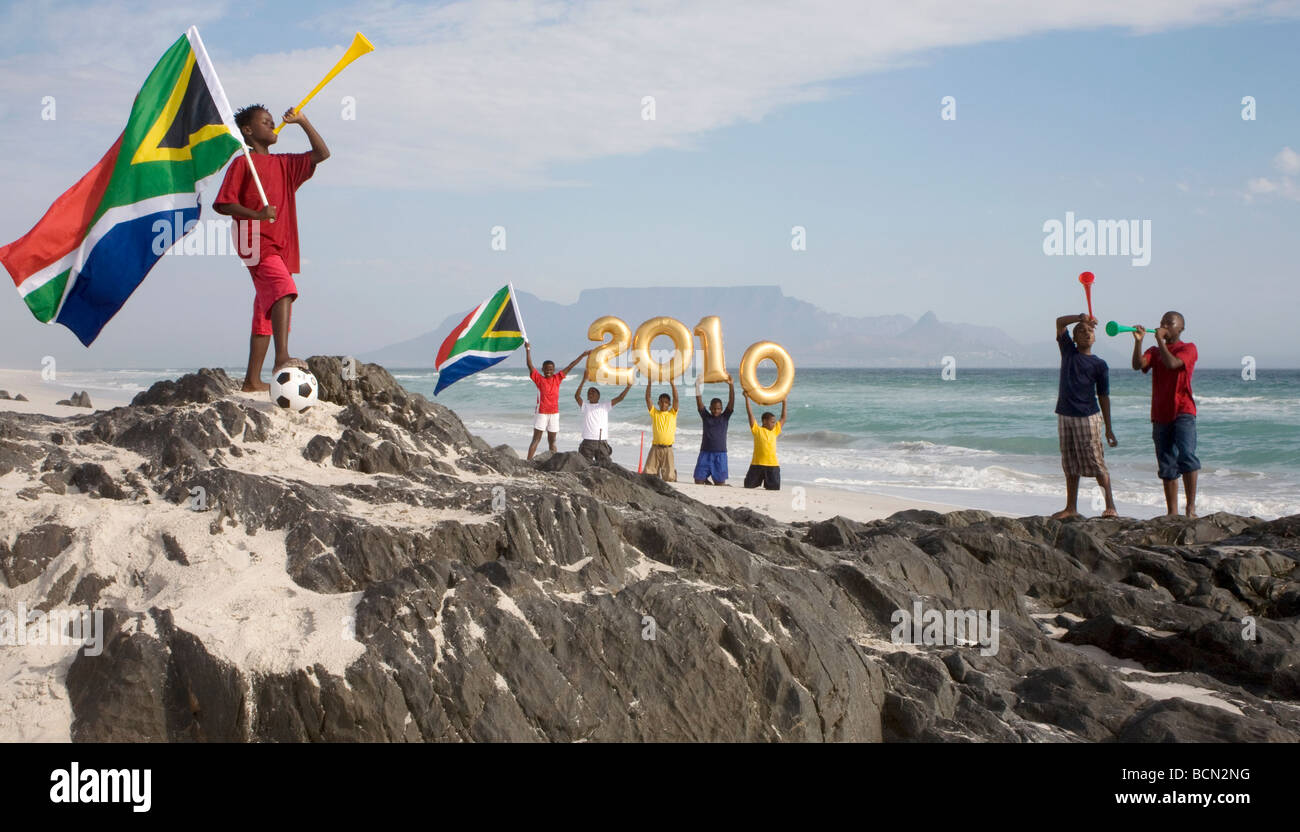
x: 765, y: 444
x: 665, y: 426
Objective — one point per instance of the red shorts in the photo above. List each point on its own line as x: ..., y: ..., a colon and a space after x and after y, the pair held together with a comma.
x: 271, y: 281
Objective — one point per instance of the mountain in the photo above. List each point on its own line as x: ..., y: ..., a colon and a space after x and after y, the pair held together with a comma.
x: 815, y: 337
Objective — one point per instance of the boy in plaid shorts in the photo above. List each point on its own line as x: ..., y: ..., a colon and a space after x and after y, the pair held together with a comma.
x: 1082, y: 405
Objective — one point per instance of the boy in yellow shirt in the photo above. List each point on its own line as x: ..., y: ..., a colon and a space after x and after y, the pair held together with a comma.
x: 664, y: 421
x: 764, y: 469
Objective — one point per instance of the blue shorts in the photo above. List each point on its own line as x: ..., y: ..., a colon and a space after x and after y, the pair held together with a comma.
x: 1175, y: 446
x: 711, y: 465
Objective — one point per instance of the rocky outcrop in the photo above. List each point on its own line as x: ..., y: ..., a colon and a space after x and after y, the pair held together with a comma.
x: 496, y: 599
x: 81, y: 399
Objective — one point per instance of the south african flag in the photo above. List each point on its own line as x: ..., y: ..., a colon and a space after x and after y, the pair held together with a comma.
x: 485, y: 337
x: 97, y: 242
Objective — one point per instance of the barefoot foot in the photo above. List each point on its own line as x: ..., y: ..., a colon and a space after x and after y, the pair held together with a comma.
x: 255, y: 387
x: 1110, y: 512
x: 291, y: 362
x: 1064, y: 513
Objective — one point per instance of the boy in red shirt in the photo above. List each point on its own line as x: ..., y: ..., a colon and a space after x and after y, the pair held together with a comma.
x: 1173, y: 410
x: 268, y: 233
x: 546, y: 416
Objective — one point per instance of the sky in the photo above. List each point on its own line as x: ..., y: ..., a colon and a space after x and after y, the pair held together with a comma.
x: 530, y: 117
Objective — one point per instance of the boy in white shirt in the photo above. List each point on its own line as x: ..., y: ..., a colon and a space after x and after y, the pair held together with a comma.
x: 595, y: 421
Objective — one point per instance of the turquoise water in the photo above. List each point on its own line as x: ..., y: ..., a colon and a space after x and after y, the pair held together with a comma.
x: 986, y: 439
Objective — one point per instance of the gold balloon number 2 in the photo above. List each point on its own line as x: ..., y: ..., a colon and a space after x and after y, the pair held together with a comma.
x: 600, y: 363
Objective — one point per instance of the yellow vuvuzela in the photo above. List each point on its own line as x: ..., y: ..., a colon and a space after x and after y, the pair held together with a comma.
x: 359, y: 47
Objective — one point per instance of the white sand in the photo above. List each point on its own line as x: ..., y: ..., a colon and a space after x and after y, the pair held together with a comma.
x: 235, y: 595
x: 796, y: 502
x: 43, y: 394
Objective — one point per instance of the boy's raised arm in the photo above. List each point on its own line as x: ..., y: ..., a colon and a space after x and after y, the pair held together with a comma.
x: 528, y: 356
x: 572, y: 363
x: 731, y: 395
x: 319, y: 152
x: 1065, y: 320
x: 673, y: 384
x: 699, y: 393
x: 782, y: 421
x: 577, y: 394
x: 749, y: 411
x: 648, y: 384
x: 1170, y: 360
x: 622, y: 395
x: 1140, y: 361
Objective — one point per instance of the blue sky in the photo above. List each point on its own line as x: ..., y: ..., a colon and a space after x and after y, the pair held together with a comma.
x: 527, y: 116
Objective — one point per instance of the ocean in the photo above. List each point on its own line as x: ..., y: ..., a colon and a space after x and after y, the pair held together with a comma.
x: 986, y: 439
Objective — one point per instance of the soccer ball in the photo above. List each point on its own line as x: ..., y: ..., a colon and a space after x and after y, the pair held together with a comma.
x: 294, y: 389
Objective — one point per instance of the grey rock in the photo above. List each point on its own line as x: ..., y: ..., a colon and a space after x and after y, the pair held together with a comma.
x: 560, y: 600
x: 32, y: 552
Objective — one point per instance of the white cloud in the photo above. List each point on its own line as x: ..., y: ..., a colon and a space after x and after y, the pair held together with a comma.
x: 497, y: 94
x: 1287, y: 161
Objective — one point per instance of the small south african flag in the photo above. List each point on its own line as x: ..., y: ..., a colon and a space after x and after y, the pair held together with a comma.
x: 485, y: 337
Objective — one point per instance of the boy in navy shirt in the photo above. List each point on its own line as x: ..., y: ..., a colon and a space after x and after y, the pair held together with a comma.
x: 1082, y: 403
x: 712, y: 462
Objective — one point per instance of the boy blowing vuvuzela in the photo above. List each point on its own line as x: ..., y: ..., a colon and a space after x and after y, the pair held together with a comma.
x: 1173, y: 409
x: 272, y: 229
x: 1082, y: 406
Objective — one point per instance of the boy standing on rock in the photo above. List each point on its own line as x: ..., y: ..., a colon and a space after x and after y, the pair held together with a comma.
x: 595, y: 421
x: 270, y: 230
x: 663, y: 422
x: 764, y: 469
x: 1173, y: 410
x: 1082, y: 404
x: 546, y: 416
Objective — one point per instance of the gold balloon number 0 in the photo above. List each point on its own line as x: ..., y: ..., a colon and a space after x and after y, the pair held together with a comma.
x: 600, y: 369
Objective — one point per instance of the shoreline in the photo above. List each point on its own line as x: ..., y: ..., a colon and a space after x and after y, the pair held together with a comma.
x: 42, y: 395
x: 810, y: 503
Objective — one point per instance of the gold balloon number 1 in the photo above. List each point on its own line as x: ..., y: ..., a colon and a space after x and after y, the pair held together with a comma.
x: 600, y: 369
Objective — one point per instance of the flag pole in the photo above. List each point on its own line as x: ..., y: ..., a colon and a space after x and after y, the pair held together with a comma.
x: 519, y: 316
x: 218, y: 93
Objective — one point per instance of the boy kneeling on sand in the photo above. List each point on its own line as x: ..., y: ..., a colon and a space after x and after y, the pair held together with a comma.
x: 595, y: 421
x: 764, y: 469
x: 1082, y: 403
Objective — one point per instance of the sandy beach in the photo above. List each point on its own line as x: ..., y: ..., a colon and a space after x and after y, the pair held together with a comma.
x: 809, y: 503
x: 42, y: 395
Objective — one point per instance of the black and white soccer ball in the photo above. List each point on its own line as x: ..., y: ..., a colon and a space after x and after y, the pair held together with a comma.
x: 294, y: 389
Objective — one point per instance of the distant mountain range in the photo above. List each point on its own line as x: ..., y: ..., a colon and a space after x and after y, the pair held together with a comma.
x: 814, y: 336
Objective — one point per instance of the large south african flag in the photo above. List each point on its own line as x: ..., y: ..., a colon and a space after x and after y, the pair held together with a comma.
x: 485, y: 337
x: 98, y: 241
